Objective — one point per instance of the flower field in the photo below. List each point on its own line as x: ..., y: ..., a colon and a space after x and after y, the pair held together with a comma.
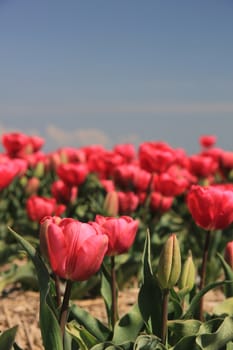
x: 90, y: 223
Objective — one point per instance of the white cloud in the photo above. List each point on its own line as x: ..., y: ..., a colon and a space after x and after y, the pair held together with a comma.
x: 77, y: 137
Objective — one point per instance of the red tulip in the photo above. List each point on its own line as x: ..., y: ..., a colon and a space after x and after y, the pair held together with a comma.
x: 8, y: 172
x: 37, y: 207
x: 128, y: 202
x: 73, y: 174
x: 211, y: 206
x: 121, y: 232
x: 75, y: 250
x: 207, y: 140
x: 160, y: 203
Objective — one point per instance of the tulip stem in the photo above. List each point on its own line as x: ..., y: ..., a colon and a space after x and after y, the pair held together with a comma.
x: 165, y: 314
x: 58, y: 289
x: 203, y: 271
x: 114, y: 312
x: 65, y: 306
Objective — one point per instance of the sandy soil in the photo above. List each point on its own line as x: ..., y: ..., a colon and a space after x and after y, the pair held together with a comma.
x: 21, y: 308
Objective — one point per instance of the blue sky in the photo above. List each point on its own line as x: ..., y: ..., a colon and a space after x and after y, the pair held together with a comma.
x: 108, y: 71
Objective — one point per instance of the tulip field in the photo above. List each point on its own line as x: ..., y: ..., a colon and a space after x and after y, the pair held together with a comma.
x: 88, y: 222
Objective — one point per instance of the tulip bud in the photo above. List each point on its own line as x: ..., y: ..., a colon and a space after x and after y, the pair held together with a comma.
x: 39, y: 170
x: 111, y: 203
x: 187, y: 278
x: 169, y: 266
x: 229, y: 254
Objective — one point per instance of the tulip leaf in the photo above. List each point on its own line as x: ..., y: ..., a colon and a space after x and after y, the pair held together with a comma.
x: 111, y: 346
x: 188, y: 342
x: 49, y: 325
x: 7, y: 338
x: 148, y: 342
x: 228, y: 275
x: 218, y: 339
x: 91, y: 324
x: 81, y: 335
x: 225, y: 307
x: 183, y: 328
x: 129, y: 326
x: 150, y: 295
x: 196, y: 299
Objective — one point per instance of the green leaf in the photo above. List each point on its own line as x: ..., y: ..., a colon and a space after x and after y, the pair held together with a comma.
x: 7, y: 338
x: 184, y: 328
x: 150, y: 295
x: 228, y: 275
x: 217, y: 340
x: 106, y: 291
x: 196, y: 299
x: 49, y: 325
x: 225, y: 307
x: 186, y: 343
x: 128, y: 327
x: 148, y: 342
x: 91, y: 324
x: 111, y: 346
x: 81, y: 335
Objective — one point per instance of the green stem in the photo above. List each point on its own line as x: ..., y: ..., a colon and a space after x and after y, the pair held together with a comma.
x: 65, y: 306
x: 58, y: 290
x: 165, y: 315
x: 203, y: 272
x: 114, y: 311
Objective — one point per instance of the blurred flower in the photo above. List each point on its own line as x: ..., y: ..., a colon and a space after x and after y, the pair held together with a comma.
x: 111, y: 203
x: 74, y: 174
x: 211, y: 206
x: 207, y: 140
x: 32, y: 185
x: 169, y: 266
x: 8, y: 172
x: 128, y: 202
x: 64, y: 193
x: 37, y: 207
x: 228, y: 254
x: 121, y: 232
x: 75, y: 250
x: 160, y: 203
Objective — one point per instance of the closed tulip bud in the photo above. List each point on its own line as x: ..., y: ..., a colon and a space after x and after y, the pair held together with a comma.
x: 169, y: 266
x: 111, y: 203
x: 228, y: 254
x: 39, y: 170
x: 187, y: 278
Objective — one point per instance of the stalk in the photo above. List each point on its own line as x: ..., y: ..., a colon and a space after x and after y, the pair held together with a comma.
x: 114, y: 311
x: 203, y: 271
x: 65, y: 306
x: 165, y: 315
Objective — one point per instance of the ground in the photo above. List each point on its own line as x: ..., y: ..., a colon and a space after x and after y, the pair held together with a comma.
x: 21, y: 308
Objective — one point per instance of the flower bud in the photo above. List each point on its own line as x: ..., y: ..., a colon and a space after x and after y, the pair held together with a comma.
x: 169, y: 266
x: 228, y: 255
x: 111, y: 203
x: 187, y: 277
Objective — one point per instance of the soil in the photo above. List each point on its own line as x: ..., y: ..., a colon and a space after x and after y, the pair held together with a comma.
x: 21, y: 308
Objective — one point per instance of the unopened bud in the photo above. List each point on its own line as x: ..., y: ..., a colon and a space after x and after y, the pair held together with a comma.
x: 169, y: 266
x: 187, y: 278
x: 39, y: 170
x: 229, y: 254
x: 111, y: 203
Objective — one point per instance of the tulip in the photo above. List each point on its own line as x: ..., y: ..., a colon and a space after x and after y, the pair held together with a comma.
x: 169, y: 266
x: 75, y: 250
x: 37, y: 207
x: 111, y: 203
x: 228, y: 254
x: 187, y: 277
x: 121, y: 232
x: 211, y: 207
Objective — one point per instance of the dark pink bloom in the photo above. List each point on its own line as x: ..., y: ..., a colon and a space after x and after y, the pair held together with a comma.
x: 211, y: 206
x: 8, y: 172
x: 64, y: 193
x: 207, y: 140
x: 74, y: 174
x: 121, y: 232
x: 75, y: 250
x: 37, y: 207
x: 128, y: 202
x: 160, y: 203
